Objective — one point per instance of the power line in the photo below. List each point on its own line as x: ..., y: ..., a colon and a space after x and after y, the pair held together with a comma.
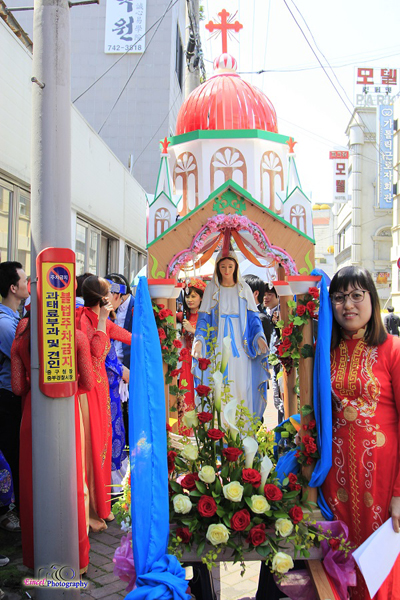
x: 136, y: 66
x: 123, y: 55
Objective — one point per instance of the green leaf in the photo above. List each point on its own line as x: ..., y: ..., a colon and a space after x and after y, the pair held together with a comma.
x: 186, y: 522
x: 220, y: 512
x: 225, y: 471
x: 176, y: 487
x: 248, y: 490
x: 248, y: 502
x: 307, y: 409
x: 218, y: 486
x: 201, y: 487
x: 291, y: 304
x: 236, y: 474
x: 200, y: 547
x: 307, y: 351
x: 263, y: 550
x: 305, y: 553
x: 196, y: 493
x: 290, y: 495
x: 285, y: 482
x: 298, y: 321
x: 280, y: 515
x: 226, y: 521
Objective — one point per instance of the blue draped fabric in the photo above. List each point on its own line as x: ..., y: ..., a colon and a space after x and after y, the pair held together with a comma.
x: 159, y: 576
x: 114, y: 374
x: 288, y: 462
x: 322, y: 396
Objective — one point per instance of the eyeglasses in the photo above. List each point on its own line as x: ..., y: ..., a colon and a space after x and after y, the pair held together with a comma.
x: 355, y: 296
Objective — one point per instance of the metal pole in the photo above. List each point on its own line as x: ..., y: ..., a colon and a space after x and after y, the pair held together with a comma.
x: 53, y: 424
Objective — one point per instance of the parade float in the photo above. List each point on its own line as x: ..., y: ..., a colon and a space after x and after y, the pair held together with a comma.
x: 226, y: 176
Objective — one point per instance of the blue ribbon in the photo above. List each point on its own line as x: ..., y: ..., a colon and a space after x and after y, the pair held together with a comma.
x: 228, y: 323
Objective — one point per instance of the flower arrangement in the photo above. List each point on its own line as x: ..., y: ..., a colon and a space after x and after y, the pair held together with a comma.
x: 224, y: 492
x: 171, y: 347
x: 288, y: 350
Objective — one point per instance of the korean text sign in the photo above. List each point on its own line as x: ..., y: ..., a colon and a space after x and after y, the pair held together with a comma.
x: 125, y: 27
x: 385, y: 156
x: 56, y: 319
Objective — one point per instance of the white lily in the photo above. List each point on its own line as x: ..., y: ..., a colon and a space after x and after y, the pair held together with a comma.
x: 226, y: 352
x: 250, y: 448
x: 266, y: 466
x: 230, y: 417
x: 218, y: 378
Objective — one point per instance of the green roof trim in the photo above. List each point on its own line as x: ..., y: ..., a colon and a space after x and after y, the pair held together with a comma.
x: 293, y: 191
x: 224, y: 134
x: 242, y: 192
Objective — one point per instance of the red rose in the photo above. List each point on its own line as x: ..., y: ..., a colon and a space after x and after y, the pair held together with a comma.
x: 293, y: 485
x: 184, y: 354
x: 281, y: 349
x: 296, y: 514
x: 251, y: 476
x: 286, y: 331
x: 300, y: 310
x: 215, y: 434
x: 232, y: 454
x: 161, y: 333
x: 189, y: 481
x: 203, y: 390
x: 162, y: 314
x: 169, y: 312
x: 169, y: 428
x: 314, y: 292
x: 207, y: 506
x: 175, y: 372
x: 184, y: 534
x: 272, y: 492
x: 240, y: 520
x: 310, y: 306
x: 164, y: 347
x: 171, y: 460
x: 204, y: 363
x: 177, y: 343
x: 286, y: 343
x: 256, y: 535
x: 204, y: 417
x: 161, y: 306
x: 312, y: 424
x: 310, y: 460
x: 334, y: 543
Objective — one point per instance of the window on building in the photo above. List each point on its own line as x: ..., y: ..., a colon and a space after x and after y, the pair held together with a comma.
x: 344, y: 238
x: 383, y: 244
x: 133, y: 262
x: 15, y: 224
x: 179, y: 57
x: 96, y: 251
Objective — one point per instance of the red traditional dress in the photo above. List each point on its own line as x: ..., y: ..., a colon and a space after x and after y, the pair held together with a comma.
x: 365, y: 471
x: 20, y: 381
x: 98, y: 432
x: 186, y: 377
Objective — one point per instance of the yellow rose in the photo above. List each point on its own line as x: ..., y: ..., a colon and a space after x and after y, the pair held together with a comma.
x: 282, y: 563
x: 207, y: 474
x: 217, y: 534
x: 259, y: 504
x: 283, y: 527
x: 190, y: 452
x: 182, y: 504
x: 190, y: 419
x: 233, y: 491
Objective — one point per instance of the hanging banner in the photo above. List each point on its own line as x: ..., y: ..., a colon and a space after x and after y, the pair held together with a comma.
x: 385, y: 192
x: 375, y: 86
x: 125, y: 27
x: 340, y: 163
x: 55, y: 269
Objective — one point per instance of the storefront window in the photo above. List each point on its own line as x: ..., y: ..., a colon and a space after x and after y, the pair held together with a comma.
x: 24, y: 232
x: 5, y: 203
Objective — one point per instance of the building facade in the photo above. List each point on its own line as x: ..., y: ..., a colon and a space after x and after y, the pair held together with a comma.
x: 395, y: 250
x: 108, y: 204
x: 363, y: 234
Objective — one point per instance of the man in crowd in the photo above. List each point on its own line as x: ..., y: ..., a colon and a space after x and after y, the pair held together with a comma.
x: 13, y: 289
x: 392, y: 322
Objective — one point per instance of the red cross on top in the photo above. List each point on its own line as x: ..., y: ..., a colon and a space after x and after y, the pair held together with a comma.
x: 224, y: 27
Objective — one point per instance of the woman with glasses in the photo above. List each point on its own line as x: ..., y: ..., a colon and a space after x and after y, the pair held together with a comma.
x: 363, y: 484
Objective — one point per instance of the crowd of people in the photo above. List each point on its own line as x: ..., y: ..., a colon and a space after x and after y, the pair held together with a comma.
x: 363, y: 485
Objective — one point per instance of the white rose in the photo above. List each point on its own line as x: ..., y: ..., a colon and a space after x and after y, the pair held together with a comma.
x: 207, y: 474
x: 283, y: 527
x: 190, y: 452
x: 190, y: 419
x: 217, y: 534
x: 182, y: 504
x: 282, y: 563
x: 259, y: 504
x: 233, y: 491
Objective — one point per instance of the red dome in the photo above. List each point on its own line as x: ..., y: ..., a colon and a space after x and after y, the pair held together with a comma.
x: 226, y: 101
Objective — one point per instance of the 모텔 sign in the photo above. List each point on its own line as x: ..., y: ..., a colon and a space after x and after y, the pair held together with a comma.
x: 56, y: 321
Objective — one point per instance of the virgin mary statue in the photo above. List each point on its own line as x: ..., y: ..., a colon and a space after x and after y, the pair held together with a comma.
x: 229, y: 307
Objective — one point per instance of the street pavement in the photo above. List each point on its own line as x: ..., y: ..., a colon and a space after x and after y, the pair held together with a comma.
x: 102, y: 583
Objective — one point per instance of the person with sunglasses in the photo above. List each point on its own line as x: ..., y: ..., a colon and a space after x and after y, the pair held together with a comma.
x: 362, y: 487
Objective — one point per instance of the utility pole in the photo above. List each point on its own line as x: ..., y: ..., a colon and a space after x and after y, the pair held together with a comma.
x: 55, y: 511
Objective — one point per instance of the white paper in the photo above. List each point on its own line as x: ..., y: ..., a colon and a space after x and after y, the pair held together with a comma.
x: 377, y: 555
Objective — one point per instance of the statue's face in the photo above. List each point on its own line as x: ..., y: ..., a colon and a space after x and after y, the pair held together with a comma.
x: 227, y: 268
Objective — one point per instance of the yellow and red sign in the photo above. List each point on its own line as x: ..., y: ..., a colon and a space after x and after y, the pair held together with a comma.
x: 56, y: 321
